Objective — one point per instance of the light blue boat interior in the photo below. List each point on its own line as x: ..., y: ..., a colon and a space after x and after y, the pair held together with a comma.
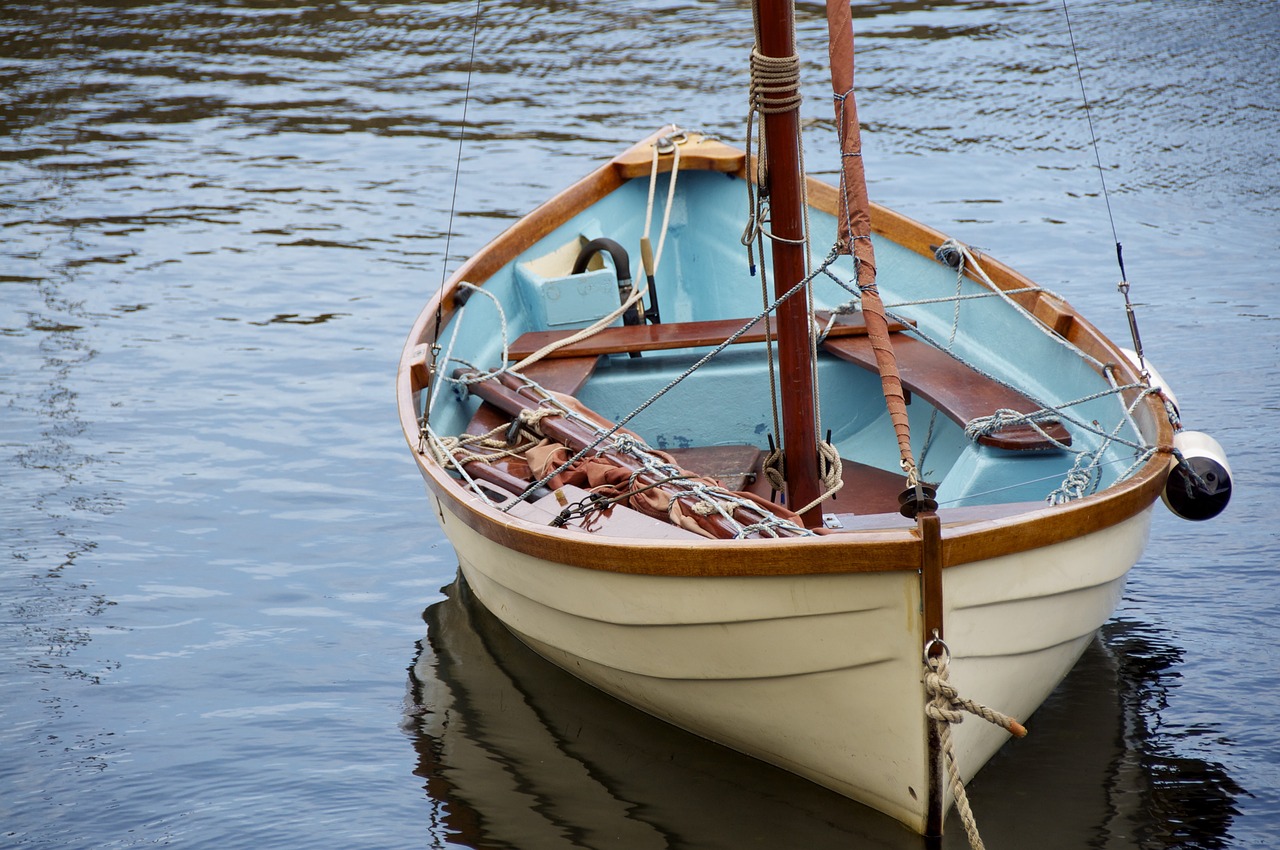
x: 704, y: 274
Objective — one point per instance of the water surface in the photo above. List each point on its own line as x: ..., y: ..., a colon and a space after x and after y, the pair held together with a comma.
x: 219, y: 219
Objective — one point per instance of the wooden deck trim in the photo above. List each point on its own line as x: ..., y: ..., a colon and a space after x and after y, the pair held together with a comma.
x: 668, y: 336
x: 874, y: 550
x: 697, y: 154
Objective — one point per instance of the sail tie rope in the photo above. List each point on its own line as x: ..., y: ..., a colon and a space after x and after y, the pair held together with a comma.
x: 707, y: 500
x: 945, y: 708
x: 454, y: 452
x: 723, y: 500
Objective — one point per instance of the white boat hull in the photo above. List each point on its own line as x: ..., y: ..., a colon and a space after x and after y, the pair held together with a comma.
x: 818, y: 674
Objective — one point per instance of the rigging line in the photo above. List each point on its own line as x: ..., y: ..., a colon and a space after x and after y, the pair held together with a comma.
x: 1057, y: 476
x: 1093, y: 137
x: 1124, y: 278
x: 457, y: 169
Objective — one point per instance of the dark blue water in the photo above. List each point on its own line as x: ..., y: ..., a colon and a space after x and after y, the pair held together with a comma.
x: 219, y: 219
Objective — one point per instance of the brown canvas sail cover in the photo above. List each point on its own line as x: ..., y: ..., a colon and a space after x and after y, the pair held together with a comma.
x: 854, y: 235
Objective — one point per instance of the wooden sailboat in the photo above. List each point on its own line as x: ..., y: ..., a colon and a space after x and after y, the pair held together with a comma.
x: 778, y: 516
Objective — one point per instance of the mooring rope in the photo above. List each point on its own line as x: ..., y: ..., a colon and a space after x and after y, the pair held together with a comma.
x: 945, y: 708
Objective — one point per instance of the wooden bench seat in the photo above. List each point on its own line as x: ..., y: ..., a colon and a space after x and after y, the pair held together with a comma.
x: 958, y: 391
x: 668, y: 336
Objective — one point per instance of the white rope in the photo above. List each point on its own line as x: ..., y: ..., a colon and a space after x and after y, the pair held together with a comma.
x: 438, y: 445
x: 971, y: 296
x: 1084, y: 478
x: 671, y: 193
x: 638, y: 292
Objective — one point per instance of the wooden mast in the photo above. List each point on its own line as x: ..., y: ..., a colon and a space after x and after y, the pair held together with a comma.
x: 786, y: 205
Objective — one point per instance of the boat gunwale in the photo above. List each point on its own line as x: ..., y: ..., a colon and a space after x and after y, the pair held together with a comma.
x: 845, y: 552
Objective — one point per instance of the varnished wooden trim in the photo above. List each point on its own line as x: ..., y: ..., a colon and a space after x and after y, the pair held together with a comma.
x: 699, y: 154
x: 929, y: 529
x: 862, y: 551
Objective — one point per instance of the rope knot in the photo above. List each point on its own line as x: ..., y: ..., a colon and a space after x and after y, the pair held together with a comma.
x: 629, y: 445
x: 944, y: 700
x: 946, y: 707
x: 705, y: 508
x: 774, y: 470
x: 774, y: 83
x: 946, y: 703
x: 532, y: 418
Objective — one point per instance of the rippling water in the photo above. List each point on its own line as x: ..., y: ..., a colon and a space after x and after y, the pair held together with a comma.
x: 219, y: 219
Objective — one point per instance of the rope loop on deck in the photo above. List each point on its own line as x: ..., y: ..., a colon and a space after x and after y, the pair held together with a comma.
x: 454, y: 452
x: 830, y: 475
x: 985, y: 426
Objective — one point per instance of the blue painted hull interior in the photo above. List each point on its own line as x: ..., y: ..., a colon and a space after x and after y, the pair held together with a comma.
x: 704, y: 275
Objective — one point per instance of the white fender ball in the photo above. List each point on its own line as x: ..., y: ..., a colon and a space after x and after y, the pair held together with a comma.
x: 1199, y: 486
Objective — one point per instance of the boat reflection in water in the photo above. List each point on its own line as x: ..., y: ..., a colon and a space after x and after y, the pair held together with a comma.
x: 518, y: 753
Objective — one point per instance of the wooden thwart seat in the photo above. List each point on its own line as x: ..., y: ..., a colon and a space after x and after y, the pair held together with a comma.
x: 959, y: 392
x: 667, y: 336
